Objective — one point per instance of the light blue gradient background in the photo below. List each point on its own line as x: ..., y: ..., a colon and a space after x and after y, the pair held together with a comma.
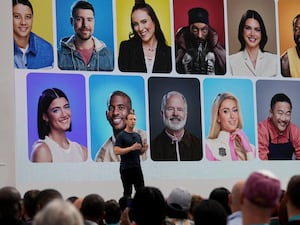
x: 73, y: 85
x: 101, y: 86
x: 243, y: 90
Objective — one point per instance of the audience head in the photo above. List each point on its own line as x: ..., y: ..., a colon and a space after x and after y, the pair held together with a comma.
x: 262, y: 189
x: 29, y: 204
x: 292, y: 195
x: 112, y: 212
x: 45, y: 196
x: 221, y: 195
x: 57, y: 212
x: 196, y: 199
x: 209, y: 212
x: 148, y: 206
x: 10, y: 205
x: 179, y: 203
x: 235, y: 196
x: 92, y: 208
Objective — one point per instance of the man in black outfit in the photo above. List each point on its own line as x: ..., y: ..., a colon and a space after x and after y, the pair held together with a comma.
x: 129, y: 146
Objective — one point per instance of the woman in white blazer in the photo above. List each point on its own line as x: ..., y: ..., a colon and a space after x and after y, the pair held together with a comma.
x: 252, y: 60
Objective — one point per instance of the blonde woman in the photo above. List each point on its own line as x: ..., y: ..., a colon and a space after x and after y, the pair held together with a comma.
x: 226, y: 139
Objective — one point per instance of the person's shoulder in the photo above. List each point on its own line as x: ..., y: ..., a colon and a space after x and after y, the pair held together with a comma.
x: 40, y: 150
x: 237, y: 55
x: 40, y: 41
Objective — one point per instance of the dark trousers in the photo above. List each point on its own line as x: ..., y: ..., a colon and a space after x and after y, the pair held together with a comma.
x: 129, y: 177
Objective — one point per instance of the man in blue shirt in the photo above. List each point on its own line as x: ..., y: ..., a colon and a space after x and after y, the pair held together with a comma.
x: 30, y: 50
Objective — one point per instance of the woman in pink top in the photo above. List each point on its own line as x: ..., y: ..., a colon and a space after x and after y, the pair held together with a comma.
x: 226, y: 139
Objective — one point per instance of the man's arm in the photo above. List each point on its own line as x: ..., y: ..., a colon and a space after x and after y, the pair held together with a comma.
x: 121, y: 151
x: 295, y: 138
x: 285, y: 67
x: 263, y: 141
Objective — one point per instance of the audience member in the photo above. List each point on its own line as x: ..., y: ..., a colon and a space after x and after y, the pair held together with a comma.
x: 178, y: 206
x: 292, y: 197
x: 260, y: 194
x: 58, y: 212
x: 29, y: 201
x: 10, y: 206
x: 221, y: 195
x: 112, y: 212
x: 235, y: 204
x: 209, y: 212
x: 196, y: 199
x: 78, y: 202
x: 92, y: 209
x: 148, y: 206
x: 45, y: 196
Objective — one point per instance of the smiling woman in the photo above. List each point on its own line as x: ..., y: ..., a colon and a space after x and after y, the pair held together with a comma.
x: 146, y: 50
x: 54, y: 119
x: 226, y: 139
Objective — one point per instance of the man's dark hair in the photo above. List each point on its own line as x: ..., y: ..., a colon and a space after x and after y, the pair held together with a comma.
x: 112, y: 211
x: 292, y: 191
x: 92, y: 207
x: 23, y: 2
x: 280, y: 97
x: 295, y: 19
x: 81, y: 5
x: 119, y: 93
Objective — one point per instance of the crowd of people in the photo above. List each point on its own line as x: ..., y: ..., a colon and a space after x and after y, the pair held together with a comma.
x: 258, y: 199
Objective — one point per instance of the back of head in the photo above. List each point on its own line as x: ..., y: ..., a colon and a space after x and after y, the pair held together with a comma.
x: 112, y: 211
x: 45, y: 196
x: 293, y: 193
x: 209, y: 212
x: 10, y: 205
x: 179, y: 203
x: 262, y: 189
x: 221, y: 195
x: 92, y: 207
x: 29, y: 202
x: 148, y: 206
x: 58, y: 212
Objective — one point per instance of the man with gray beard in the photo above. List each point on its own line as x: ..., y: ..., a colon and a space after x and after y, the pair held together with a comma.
x: 175, y: 143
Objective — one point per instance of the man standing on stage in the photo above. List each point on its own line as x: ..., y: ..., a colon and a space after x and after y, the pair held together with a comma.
x: 129, y: 146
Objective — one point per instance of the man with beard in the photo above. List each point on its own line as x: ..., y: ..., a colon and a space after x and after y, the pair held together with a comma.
x: 118, y: 107
x: 83, y: 51
x: 198, y: 50
x: 290, y: 60
x: 175, y: 143
x: 278, y: 138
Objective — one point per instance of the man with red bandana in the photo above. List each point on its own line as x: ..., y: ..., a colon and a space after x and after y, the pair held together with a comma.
x: 278, y: 138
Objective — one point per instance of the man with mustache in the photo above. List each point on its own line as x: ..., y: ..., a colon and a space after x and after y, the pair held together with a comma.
x: 198, y: 50
x: 83, y: 51
x: 278, y: 138
x: 175, y: 143
x: 290, y: 60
